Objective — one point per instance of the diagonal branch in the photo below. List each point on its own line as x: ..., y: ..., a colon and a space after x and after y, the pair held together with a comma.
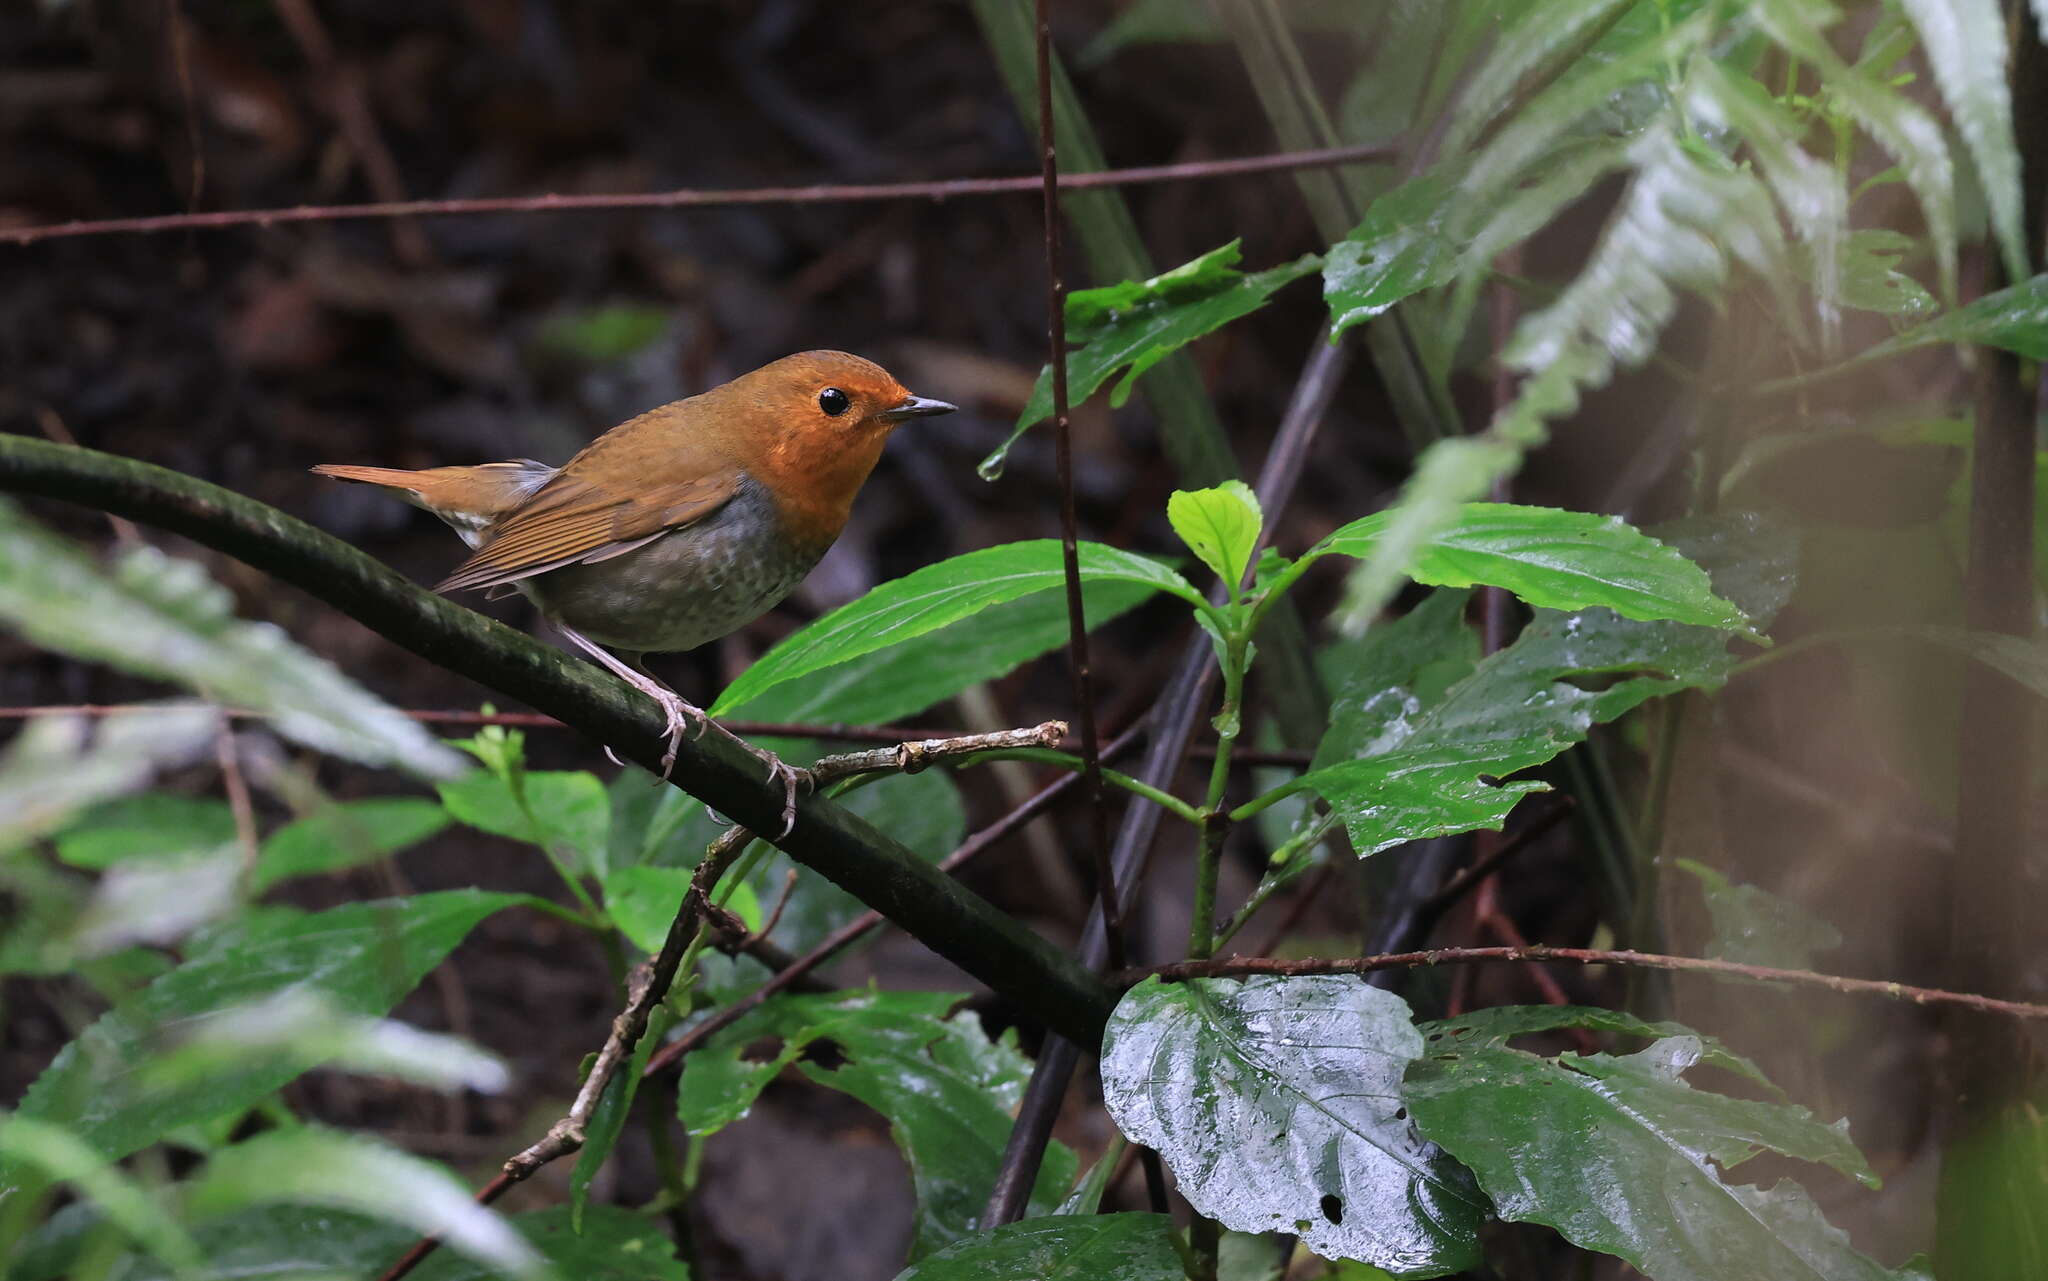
x: 873, y: 866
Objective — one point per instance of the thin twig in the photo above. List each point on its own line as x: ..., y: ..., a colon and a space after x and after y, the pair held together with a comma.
x: 1063, y: 462
x: 237, y: 788
x: 1242, y: 965
x: 697, y: 198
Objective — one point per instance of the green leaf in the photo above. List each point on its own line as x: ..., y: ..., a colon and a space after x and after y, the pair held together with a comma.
x: 157, y: 900
x: 608, y: 1118
x: 1275, y: 1101
x: 1495, y: 1026
x: 1994, y: 1181
x: 2015, y: 319
x: 343, y: 1171
x: 563, y: 810
x: 642, y: 901
x: 1871, y: 279
x: 1535, y: 36
x: 151, y: 823
x: 1642, y: 1181
x: 1219, y: 525
x: 1756, y: 927
x: 915, y: 674
x: 930, y: 598
x: 1096, y: 1247
x: 302, y: 1242
x: 363, y: 956
x: 166, y: 619
x: 57, y: 765
x: 60, y: 1156
x: 1428, y: 774
x: 346, y: 834
x: 301, y: 1026
x: 1134, y: 325
x: 945, y: 1087
x: 1965, y: 45
x: 1552, y: 559
x: 1402, y: 247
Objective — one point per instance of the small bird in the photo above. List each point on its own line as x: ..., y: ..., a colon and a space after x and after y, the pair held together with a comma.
x: 679, y: 526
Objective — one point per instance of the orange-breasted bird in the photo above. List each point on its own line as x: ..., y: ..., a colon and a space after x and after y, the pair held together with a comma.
x: 679, y: 526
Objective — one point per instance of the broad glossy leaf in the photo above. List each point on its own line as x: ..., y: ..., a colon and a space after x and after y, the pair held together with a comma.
x: 363, y: 956
x: 565, y: 810
x: 945, y: 1087
x: 301, y: 1025
x: 2015, y: 318
x: 1133, y: 325
x: 1962, y: 38
x: 146, y: 824
x: 346, y: 834
x: 294, y: 1241
x: 933, y: 597
x: 1402, y: 247
x: 1068, y: 1247
x: 1219, y: 525
x: 1756, y: 927
x: 1553, y: 559
x: 346, y: 1172
x: 165, y: 618
x: 1643, y: 1181
x: 1428, y: 775
x: 912, y: 675
x: 1276, y: 1102
x: 58, y: 765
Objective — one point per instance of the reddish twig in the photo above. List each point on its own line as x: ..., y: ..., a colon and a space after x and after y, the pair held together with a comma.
x: 1240, y: 965
x: 696, y: 198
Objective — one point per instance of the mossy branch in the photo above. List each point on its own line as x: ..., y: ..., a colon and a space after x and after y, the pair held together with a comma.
x: 874, y: 867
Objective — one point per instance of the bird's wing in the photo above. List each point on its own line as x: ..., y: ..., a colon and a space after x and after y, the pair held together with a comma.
x: 571, y: 519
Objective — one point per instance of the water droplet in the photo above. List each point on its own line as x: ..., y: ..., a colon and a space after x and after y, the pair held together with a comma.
x: 991, y: 467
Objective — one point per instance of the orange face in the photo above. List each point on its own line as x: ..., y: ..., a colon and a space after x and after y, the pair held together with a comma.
x: 826, y: 416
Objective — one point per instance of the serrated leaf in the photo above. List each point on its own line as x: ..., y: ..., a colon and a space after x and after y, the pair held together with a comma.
x: 1644, y: 1185
x: 1535, y: 36
x: 1871, y: 279
x: 1133, y: 325
x: 1095, y: 1247
x: 363, y: 956
x: 1220, y: 525
x: 1965, y: 45
x: 935, y: 596
x: 311, y: 1166
x: 58, y: 765
x: 1275, y: 1101
x: 1551, y: 558
x: 346, y: 834
x: 166, y: 619
x: 1435, y: 773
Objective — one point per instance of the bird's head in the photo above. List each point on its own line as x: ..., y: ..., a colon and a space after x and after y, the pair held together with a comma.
x: 819, y: 420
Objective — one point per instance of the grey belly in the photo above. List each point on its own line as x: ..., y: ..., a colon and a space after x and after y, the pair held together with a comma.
x: 677, y: 592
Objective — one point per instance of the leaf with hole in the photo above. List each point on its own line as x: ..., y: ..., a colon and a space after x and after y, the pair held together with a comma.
x: 1276, y: 1103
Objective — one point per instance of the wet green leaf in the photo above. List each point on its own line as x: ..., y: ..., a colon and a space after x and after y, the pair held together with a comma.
x: 2014, y: 318
x: 1276, y: 1103
x: 1219, y: 525
x: 1553, y: 559
x: 58, y: 765
x: 1133, y: 325
x: 60, y: 1156
x: 1495, y: 1026
x: 364, y: 957
x: 643, y: 900
x: 1643, y: 1183
x: 1962, y: 38
x: 1871, y: 279
x: 346, y: 834
x: 1994, y: 1181
x: 1095, y: 1247
x: 165, y: 618
x: 142, y: 825
x: 1402, y: 247
x: 935, y: 596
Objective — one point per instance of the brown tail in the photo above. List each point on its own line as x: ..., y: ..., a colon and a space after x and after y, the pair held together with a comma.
x: 389, y: 477
x: 464, y: 496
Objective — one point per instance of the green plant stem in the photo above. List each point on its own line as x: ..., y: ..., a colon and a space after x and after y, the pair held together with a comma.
x: 1278, y: 878
x: 1214, y: 819
x: 1136, y: 787
x: 870, y: 864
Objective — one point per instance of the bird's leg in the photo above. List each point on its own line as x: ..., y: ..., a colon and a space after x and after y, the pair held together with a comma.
x: 676, y: 712
x: 682, y: 715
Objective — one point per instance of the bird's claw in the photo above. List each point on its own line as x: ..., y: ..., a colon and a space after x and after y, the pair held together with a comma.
x: 678, y: 718
x: 792, y: 779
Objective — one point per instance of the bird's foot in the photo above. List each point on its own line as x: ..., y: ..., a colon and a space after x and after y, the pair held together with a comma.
x: 792, y: 778
x: 678, y: 717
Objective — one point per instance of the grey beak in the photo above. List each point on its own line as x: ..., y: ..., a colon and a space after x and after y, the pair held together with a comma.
x: 915, y: 407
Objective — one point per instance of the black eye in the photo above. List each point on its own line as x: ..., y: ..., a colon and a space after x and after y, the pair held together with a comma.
x: 833, y: 401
